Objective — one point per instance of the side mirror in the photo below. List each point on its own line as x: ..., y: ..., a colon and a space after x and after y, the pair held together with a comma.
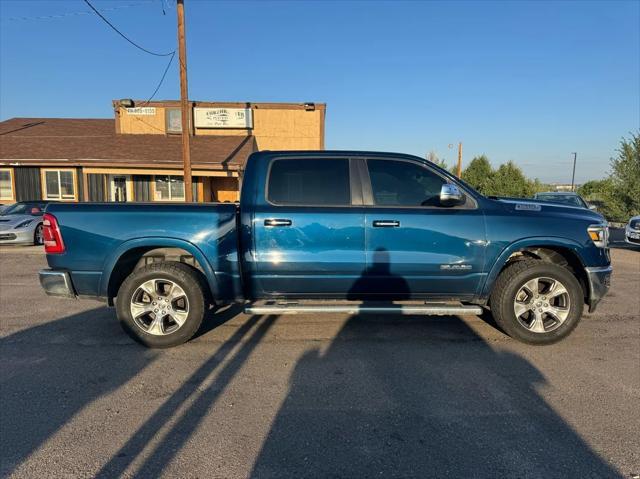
x: 450, y: 195
x: 592, y: 207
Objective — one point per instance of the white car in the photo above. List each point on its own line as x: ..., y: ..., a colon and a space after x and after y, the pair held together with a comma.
x: 632, y: 231
x: 21, y: 223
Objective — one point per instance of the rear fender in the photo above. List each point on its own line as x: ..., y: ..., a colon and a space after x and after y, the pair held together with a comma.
x: 158, y: 242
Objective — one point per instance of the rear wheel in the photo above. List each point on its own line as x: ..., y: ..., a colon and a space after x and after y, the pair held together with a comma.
x: 38, y: 238
x: 162, y: 305
x: 537, y: 302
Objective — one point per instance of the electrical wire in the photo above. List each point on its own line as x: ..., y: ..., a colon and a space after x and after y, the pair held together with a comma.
x: 73, y: 14
x: 161, y: 79
x: 125, y: 37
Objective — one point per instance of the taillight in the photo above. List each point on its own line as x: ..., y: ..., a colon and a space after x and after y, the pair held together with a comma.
x: 53, y: 243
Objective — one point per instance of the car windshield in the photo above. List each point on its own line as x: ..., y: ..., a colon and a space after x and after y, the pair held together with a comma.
x: 33, y: 209
x: 564, y: 199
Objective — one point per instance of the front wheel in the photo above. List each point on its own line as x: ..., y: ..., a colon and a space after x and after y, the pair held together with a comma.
x: 161, y: 305
x: 537, y: 302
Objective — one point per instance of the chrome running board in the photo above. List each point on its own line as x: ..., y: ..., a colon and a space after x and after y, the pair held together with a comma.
x: 399, y: 309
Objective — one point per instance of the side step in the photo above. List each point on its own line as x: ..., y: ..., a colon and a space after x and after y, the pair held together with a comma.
x: 435, y: 309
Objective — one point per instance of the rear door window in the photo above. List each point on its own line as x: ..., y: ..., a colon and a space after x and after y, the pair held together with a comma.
x: 309, y: 182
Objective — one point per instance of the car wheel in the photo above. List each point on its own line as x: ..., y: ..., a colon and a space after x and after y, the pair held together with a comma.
x: 537, y: 302
x: 162, y: 305
x: 38, y: 238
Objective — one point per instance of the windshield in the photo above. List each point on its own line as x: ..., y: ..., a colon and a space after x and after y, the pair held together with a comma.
x: 564, y: 199
x: 33, y: 209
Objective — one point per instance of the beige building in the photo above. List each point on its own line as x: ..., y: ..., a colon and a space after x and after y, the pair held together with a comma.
x: 137, y: 155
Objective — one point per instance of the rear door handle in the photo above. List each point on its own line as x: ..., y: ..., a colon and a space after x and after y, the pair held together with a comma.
x: 277, y: 222
x: 386, y: 223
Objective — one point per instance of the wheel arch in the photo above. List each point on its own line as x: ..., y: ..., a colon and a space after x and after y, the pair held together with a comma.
x: 553, y: 250
x: 134, y: 254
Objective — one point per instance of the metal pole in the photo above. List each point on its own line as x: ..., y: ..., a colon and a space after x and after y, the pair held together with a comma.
x: 459, y: 159
x: 573, y: 175
x: 184, y: 104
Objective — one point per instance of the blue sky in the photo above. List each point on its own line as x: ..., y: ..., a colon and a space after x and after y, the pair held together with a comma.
x: 524, y: 81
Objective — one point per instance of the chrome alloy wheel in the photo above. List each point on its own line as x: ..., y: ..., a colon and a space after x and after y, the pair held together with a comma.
x: 39, y: 236
x: 542, y: 305
x: 159, y: 307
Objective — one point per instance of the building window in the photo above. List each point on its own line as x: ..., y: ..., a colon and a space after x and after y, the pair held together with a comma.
x: 173, y: 119
x: 6, y: 184
x: 169, y: 188
x: 59, y: 184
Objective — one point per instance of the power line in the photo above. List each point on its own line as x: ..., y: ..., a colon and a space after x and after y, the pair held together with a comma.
x: 161, y: 79
x: 73, y: 14
x: 124, y: 36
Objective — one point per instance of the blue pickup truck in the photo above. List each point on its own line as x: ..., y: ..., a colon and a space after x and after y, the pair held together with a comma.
x: 333, y: 231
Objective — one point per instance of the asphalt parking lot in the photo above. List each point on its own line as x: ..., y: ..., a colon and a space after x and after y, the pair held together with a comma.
x: 305, y: 396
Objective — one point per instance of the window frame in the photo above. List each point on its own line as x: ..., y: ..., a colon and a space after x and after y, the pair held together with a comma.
x: 12, y: 186
x: 171, y: 199
x: 355, y: 185
x: 369, y: 199
x: 43, y: 179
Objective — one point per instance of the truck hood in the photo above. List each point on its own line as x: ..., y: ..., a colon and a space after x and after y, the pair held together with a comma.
x: 529, y: 206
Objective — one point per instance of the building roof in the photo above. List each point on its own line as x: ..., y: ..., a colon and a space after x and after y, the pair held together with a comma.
x: 94, y: 142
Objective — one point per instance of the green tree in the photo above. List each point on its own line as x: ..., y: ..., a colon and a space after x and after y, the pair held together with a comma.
x: 618, y: 196
x: 508, y: 180
x: 479, y: 173
x: 602, y: 194
x: 625, y: 174
x: 433, y: 157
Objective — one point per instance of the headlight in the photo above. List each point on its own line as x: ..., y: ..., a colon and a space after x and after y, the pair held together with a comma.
x: 599, y: 234
x: 23, y: 224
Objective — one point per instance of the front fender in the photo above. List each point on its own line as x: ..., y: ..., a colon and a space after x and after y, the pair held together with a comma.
x: 157, y: 242
x: 521, y: 244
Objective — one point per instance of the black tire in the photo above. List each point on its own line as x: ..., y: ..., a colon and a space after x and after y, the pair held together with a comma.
x: 192, y: 283
x: 507, y: 286
x: 37, y: 238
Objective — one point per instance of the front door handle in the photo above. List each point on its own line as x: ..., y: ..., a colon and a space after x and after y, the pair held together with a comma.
x: 277, y: 222
x: 386, y: 223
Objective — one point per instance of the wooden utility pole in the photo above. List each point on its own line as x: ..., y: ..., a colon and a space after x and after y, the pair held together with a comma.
x: 184, y: 104
x: 459, y: 159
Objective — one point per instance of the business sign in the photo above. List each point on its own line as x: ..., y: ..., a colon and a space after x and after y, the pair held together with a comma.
x: 222, y: 118
x: 142, y: 111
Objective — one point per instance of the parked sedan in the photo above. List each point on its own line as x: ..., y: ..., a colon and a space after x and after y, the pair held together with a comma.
x: 632, y: 231
x: 568, y: 198
x: 21, y: 223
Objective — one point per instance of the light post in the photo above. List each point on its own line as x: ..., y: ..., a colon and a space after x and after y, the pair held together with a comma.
x: 573, y: 175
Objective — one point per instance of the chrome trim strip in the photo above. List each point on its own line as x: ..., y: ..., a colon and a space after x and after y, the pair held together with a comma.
x: 439, y: 310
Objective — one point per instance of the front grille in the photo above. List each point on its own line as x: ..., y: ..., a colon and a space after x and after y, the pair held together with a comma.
x: 633, y: 240
x: 7, y: 236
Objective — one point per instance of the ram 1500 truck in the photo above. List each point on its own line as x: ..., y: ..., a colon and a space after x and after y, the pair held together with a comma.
x: 333, y: 231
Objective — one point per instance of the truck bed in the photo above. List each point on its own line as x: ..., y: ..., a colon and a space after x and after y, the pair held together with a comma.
x: 96, y: 235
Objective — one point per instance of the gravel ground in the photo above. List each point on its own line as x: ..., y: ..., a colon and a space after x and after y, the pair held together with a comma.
x: 314, y: 396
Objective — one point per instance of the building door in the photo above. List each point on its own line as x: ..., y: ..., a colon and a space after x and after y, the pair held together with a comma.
x: 120, y: 188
